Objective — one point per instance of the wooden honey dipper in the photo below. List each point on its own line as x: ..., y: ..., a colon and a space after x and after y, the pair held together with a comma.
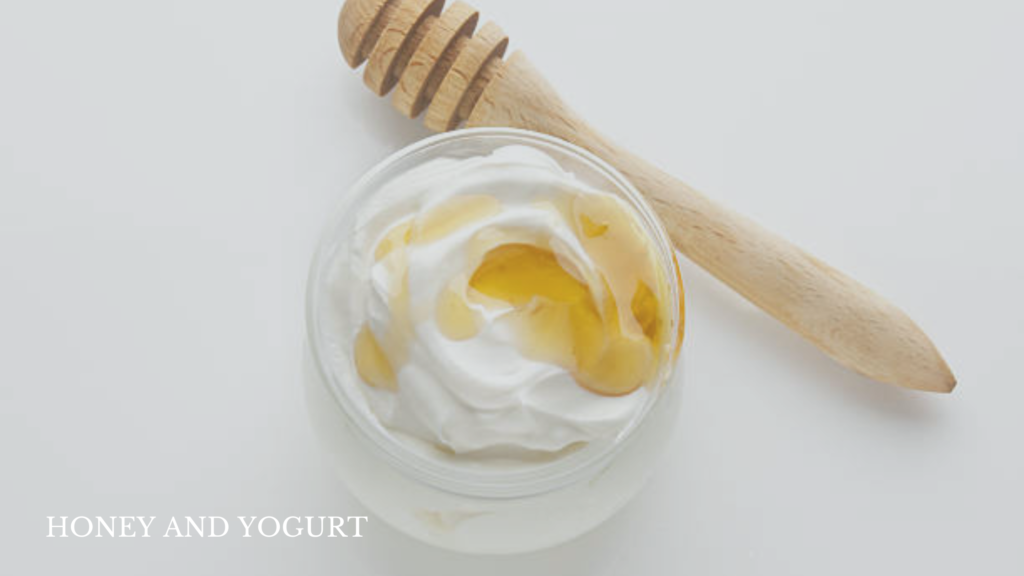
x: 436, y: 62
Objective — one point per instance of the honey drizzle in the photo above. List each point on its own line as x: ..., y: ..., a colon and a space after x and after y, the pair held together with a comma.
x: 607, y: 330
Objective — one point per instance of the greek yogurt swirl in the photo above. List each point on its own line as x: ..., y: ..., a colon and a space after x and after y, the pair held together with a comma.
x: 497, y: 304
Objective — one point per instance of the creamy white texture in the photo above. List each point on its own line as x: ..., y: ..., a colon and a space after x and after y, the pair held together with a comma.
x: 480, y: 393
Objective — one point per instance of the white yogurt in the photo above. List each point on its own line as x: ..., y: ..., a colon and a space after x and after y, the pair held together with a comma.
x: 479, y: 394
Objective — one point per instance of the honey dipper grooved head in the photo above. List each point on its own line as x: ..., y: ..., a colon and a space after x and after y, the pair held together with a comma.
x: 354, y: 25
x: 433, y: 59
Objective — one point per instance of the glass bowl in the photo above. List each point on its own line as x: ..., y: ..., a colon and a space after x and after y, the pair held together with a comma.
x: 470, y: 508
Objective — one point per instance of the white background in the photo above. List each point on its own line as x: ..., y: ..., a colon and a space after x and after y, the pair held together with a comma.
x: 165, y: 168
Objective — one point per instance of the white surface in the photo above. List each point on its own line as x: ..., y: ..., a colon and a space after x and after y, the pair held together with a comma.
x: 164, y: 169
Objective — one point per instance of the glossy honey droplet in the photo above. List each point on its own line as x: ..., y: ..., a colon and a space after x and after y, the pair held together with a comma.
x: 372, y: 363
x: 590, y: 228
x: 563, y: 320
x: 518, y: 273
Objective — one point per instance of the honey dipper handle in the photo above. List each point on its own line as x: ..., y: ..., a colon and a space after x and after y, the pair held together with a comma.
x: 846, y: 320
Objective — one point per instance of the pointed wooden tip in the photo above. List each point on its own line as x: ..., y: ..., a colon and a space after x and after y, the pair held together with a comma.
x: 899, y: 352
x: 938, y: 379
